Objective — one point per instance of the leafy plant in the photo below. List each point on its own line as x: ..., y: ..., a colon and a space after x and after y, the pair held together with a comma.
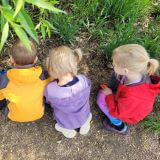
x: 64, y: 26
x: 92, y: 12
x: 126, y: 33
x: 14, y: 18
x: 123, y: 34
x: 111, y: 22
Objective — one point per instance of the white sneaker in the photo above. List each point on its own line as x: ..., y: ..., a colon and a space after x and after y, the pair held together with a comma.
x: 68, y: 133
x: 86, y: 126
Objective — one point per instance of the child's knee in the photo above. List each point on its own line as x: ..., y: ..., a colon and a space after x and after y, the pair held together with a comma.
x: 101, y: 99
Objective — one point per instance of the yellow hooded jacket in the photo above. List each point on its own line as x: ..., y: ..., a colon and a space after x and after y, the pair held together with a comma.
x: 23, y: 89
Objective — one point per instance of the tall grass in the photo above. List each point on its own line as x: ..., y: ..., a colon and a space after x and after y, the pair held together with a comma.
x: 126, y: 33
x: 111, y: 23
x: 64, y: 26
x: 150, y: 38
x: 94, y: 11
x: 123, y: 34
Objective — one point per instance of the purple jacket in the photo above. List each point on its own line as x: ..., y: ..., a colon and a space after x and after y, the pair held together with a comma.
x: 70, y: 105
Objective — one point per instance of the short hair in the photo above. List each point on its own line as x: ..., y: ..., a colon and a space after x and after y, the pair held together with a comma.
x: 21, y: 55
x: 63, y: 60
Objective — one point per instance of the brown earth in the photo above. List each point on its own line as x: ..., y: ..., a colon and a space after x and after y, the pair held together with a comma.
x: 39, y: 140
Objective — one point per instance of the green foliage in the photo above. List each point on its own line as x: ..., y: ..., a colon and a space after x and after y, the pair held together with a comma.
x: 151, y: 39
x: 126, y: 33
x: 152, y: 122
x: 92, y: 12
x: 14, y: 18
x: 64, y: 26
x: 123, y: 34
x: 101, y: 19
x: 4, y: 34
x: 156, y: 7
x: 127, y: 9
x: 112, y: 22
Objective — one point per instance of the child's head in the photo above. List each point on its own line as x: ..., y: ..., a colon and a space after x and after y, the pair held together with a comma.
x: 133, y: 58
x: 20, y: 55
x: 63, y: 60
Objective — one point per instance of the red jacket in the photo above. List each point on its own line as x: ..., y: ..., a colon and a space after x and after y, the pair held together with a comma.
x: 133, y: 103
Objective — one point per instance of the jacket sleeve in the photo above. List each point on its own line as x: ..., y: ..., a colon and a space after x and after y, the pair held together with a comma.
x: 122, y: 108
x: 3, y: 83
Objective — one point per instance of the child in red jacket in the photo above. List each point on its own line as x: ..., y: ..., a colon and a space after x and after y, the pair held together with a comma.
x: 132, y: 89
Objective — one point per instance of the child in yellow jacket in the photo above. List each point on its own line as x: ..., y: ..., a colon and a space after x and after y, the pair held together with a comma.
x: 22, y: 85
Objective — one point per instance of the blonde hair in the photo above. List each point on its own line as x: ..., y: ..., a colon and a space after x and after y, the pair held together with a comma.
x: 63, y: 60
x: 21, y: 55
x: 135, y: 58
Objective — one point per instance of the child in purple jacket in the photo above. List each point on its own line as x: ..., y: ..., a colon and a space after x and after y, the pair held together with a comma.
x: 69, y: 94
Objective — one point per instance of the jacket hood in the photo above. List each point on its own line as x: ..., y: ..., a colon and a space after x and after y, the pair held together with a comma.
x: 79, y: 99
x: 24, y: 75
x: 152, y: 88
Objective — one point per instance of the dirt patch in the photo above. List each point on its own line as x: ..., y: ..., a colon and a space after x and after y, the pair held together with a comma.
x: 39, y: 140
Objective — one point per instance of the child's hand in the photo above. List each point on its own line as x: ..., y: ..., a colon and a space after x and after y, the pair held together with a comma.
x: 107, y: 91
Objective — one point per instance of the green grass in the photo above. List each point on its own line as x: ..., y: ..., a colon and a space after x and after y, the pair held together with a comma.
x: 64, y: 27
x: 93, y: 11
x: 152, y: 122
x: 123, y: 34
x: 126, y: 33
x: 151, y: 38
x: 109, y: 22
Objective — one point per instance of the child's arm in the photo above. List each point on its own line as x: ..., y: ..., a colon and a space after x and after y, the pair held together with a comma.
x: 113, y: 82
x: 3, y: 83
